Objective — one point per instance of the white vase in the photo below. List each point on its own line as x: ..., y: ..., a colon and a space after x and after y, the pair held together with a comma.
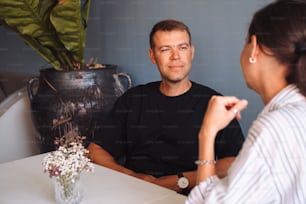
x: 68, y: 192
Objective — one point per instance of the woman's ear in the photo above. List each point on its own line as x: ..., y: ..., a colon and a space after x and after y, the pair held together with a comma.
x: 254, y: 50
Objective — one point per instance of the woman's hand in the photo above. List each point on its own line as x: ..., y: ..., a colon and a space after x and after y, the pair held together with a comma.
x: 220, y: 112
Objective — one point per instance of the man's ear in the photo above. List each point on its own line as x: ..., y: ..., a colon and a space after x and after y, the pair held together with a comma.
x: 192, y: 51
x: 151, y: 55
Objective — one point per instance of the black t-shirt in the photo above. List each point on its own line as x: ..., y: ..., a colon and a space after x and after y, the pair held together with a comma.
x: 155, y: 134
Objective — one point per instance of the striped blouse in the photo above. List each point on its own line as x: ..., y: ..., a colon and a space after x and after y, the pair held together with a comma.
x: 271, y: 166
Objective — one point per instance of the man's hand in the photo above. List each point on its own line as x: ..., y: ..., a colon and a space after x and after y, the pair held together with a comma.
x: 145, y: 177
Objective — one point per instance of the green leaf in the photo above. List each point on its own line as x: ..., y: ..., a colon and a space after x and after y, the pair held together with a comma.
x: 70, y: 25
x: 62, y: 42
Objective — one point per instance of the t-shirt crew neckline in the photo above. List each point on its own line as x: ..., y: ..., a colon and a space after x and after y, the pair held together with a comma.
x: 174, y: 97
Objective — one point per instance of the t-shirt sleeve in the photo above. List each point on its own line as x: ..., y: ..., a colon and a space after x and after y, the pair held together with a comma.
x: 110, y: 135
x: 229, y: 141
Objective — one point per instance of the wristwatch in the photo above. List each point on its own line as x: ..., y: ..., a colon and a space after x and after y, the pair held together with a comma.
x: 182, y: 182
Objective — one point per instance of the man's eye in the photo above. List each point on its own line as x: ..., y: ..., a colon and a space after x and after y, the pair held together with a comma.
x: 164, y: 50
x: 184, y: 47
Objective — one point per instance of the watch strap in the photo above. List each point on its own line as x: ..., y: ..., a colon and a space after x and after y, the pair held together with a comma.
x: 184, y: 191
x: 180, y: 174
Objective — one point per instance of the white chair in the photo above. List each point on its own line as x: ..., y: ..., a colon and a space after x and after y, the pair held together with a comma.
x: 17, y: 132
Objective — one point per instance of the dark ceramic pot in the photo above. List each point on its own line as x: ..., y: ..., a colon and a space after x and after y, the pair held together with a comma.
x: 82, y: 98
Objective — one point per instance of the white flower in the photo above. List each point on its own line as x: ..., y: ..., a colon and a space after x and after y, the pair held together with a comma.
x: 67, y: 162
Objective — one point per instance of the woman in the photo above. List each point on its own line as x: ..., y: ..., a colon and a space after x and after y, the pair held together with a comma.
x: 271, y: 167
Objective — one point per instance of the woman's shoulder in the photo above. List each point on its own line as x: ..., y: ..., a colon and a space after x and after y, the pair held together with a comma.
x: 285, y: 120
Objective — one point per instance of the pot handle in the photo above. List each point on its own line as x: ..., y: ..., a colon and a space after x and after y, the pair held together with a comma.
x: 30, y: 86
x: 127, y: 77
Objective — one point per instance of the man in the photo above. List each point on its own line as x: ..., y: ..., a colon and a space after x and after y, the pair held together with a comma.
x: 152, y: 132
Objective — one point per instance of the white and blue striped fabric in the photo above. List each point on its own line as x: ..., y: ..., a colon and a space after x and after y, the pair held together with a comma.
x: 271, y: 167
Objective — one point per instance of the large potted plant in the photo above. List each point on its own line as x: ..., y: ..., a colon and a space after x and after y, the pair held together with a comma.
x: 70, y: 90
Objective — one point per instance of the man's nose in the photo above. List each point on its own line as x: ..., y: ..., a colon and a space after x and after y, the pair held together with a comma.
x: 175, y: 54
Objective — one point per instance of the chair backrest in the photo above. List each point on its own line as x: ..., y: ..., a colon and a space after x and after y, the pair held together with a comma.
x: 17, y: 132
x: 11, y: 82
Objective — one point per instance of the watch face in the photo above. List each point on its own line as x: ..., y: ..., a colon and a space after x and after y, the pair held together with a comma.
x: 183, y: 182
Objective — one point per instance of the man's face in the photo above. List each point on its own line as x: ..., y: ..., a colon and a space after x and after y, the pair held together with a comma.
x: 172, y: 54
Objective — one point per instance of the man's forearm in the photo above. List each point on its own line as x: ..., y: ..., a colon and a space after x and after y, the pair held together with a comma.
x: 100, y: 156
x: 170, y: 181
x: 223, y: 165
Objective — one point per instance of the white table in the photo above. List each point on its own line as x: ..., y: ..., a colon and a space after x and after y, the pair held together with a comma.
x: 23, y: 181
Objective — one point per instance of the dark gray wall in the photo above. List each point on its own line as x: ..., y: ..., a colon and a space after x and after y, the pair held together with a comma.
x: 118, y: 34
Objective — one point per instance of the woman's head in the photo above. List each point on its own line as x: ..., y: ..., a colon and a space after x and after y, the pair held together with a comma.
x: 280, y: 27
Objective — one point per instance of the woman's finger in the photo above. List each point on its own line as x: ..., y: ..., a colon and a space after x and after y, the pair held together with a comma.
x: 239, y: 106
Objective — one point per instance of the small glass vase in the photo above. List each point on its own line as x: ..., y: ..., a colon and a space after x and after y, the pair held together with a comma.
x: 68, y: 191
